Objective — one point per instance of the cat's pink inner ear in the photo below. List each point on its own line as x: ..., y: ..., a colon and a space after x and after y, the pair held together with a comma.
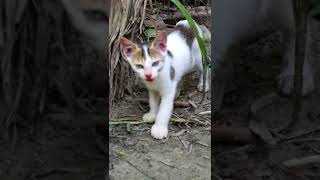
x: 127, y: 47
x: 160, y: 41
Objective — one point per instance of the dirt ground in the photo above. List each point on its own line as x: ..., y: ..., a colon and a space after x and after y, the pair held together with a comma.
x: 186, y: 154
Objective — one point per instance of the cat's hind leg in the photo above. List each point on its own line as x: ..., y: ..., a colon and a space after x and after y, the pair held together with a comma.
x: 197, y: 60
x: 178, y: 90
x: 199, y: 66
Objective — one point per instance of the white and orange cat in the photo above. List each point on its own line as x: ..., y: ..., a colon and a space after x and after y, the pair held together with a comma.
x: 161, y: 65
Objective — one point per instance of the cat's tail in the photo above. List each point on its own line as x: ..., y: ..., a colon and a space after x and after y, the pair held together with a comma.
x: 203, y: 30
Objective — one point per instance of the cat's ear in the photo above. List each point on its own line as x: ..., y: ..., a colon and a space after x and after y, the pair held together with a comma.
x: 160, y: 42
x: 127, y: 48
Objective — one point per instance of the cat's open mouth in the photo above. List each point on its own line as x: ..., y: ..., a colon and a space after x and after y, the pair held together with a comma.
x: 149, y: 79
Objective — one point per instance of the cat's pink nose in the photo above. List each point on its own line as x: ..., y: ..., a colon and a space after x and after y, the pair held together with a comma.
x: 148, y: 76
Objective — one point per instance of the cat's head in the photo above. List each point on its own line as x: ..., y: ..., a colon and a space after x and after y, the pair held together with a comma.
x: 147, y: 60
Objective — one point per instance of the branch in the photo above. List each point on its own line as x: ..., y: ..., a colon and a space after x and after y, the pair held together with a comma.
x: 136, y: 122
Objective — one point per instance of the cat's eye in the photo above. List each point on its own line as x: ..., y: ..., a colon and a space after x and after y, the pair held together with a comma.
x: 140, y: 66
x: 155, y: 63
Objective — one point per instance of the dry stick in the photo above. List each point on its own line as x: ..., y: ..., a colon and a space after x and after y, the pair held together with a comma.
x: 205, y: 112
x: 302, y: 161
x: 143, y: 15
x: 138, y: 169
x: 136, y: 122
x: 176, y: 103
x: 151, y: 5
x: 195, y: 15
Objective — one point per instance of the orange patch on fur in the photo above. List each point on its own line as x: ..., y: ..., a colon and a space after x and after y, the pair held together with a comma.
x: 154, y: 54
x: 137, y: 57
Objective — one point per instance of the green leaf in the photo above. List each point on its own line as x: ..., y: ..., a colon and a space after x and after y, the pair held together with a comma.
x: 150, y: 33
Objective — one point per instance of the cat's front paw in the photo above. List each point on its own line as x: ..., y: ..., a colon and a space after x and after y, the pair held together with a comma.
x: 159, y: 131
x: 200, y: 87
x: 149, y: 117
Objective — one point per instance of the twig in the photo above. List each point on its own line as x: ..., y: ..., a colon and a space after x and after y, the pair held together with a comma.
x: 195, y: 15
x: 135, y: 122
x: 190, y: 149
x: 205, y: 112
x: 181, y: 132
x: 139, y: 169
x: 176, y: 103
x: 143, y: 15
x: 151, y: 5
x: 168, y: 164
x: 302, y: 161
x: 202, y: 143
x: 113, y: 136
x: 198, y: 121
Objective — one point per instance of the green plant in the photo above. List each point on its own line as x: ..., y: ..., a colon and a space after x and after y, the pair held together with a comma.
x: 201, y: 42
x: 150, y: 33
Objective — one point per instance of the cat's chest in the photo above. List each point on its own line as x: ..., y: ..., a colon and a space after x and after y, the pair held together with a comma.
x: 152, y: 85
x: 159, y: 86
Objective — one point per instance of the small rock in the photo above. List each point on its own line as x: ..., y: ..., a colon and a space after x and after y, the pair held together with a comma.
x: 130, y: 142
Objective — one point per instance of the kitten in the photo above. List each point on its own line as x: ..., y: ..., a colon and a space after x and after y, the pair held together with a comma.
x: 161, y: 65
